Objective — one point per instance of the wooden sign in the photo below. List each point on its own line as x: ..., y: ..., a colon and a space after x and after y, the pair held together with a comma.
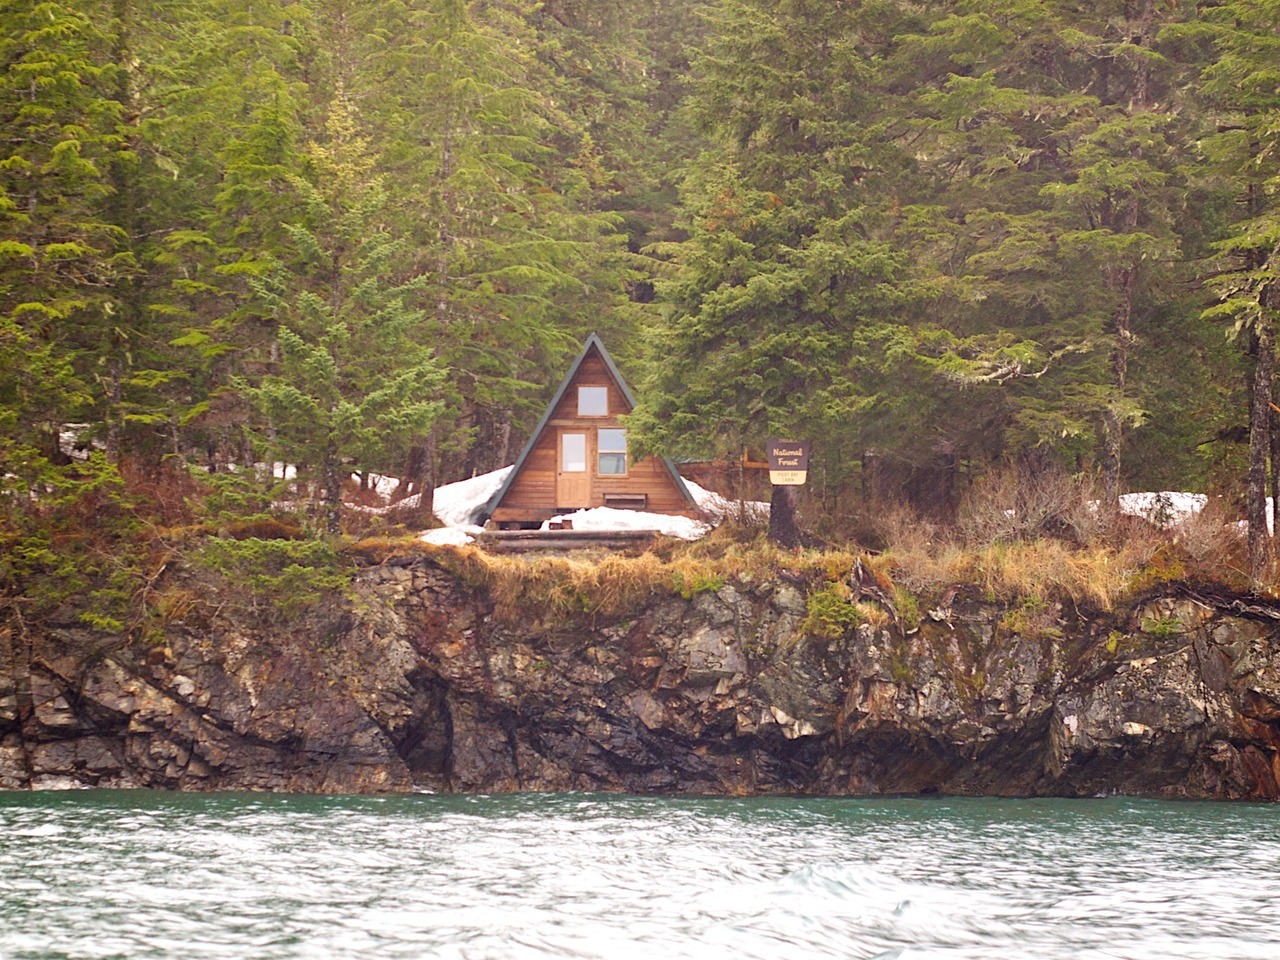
x: 788, y: 462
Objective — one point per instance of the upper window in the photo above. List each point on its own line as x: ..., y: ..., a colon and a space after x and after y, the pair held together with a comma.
x: 611, y: 452
x: 593, y: 401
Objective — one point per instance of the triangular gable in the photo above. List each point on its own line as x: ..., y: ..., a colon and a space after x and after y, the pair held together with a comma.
x: 592, y: 341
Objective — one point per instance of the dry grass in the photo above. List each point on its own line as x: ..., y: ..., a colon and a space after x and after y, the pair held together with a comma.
x: 558, y: 586
x: 1119, y: 557
x: 1065, y: 548
x: 1051, y: 569
x: 1043, y: 536
x: 611, y: 584
x: 1095, y: 559
x: 1044, y: 570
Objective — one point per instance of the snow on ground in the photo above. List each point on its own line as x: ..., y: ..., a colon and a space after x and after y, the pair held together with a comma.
x: 71, y: 441
x: 610, y: 518
x: 382, y: 486
x: 712, y: 504
x: 719, y: 507
x: 450, y: 536
x: 1162, y: 509
x: 459, y: 504
x: 1168, y: 508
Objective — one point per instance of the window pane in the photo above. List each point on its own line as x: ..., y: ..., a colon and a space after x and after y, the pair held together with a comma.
x: 593, y: 401
x: 573, y: 452
x: 612, y: 450
x: 613, y: 464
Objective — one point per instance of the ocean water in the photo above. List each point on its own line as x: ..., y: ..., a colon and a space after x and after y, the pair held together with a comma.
x: 147, y: 875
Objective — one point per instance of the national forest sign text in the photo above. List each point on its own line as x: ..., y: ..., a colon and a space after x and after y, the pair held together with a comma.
x: 788, y: 462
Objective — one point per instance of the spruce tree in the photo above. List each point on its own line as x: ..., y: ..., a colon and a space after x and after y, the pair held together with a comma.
x: 58, y: 256
x: 484, y: 181
x: 785, y: 276
x: 356, y: 382
x: 1242, y: 88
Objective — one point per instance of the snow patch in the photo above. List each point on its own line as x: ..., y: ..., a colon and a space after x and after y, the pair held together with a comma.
x: 384, y: 487
x: 610, y: 518
x: 74, y: 442
x: 1162, y: 509
x: 460, y: 504
x: 713, y: 505
x: 718, y: 507
x: 1243, y: 525
x: 450, y: 536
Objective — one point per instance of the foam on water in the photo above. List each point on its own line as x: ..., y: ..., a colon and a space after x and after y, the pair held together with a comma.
x: 141, y: 875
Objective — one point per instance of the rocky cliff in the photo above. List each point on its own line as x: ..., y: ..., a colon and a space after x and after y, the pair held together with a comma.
x: 414, y: 683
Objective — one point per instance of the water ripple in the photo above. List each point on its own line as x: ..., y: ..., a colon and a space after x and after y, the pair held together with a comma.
x: 142, y: 875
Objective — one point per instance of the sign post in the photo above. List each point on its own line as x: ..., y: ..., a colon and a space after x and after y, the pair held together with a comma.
x: 788, y: 462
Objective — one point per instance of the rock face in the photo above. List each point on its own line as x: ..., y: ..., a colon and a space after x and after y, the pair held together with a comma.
x: 415, y: 683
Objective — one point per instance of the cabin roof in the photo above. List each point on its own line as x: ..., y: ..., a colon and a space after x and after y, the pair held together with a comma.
x: 598, y: 344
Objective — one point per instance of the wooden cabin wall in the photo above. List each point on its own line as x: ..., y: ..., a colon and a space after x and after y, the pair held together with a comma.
x: 532, y: 494
x: 592, y: 373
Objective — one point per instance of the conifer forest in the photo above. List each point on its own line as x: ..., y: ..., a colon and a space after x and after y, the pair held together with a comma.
x: 943, y: 241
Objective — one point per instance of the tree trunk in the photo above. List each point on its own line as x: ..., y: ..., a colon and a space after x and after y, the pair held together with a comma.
x: 1112, y: 422
x: 502, y: 442
x: 1274, y: 427
x: 783, y: 529
x: 332, y: 490
x: 427, y: 492
x: 948, y: 464
x: 1259, y: 450
x: 412, y: 474
x: 115, y: 373
x: 445, y: 226
x: 125, y: 212
x: 419, y: 479
x: 1125, y: 280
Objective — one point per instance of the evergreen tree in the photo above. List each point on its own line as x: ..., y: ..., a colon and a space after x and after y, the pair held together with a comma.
x: 785, y: 277
x: 520, y: 268
x: 1242, y: 87
x: 58, y: 256
x: 229, y: 119
x: 355, y: 381
x: 1046, y: 142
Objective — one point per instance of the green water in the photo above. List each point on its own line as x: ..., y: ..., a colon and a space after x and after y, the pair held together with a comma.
x: 147, y: 875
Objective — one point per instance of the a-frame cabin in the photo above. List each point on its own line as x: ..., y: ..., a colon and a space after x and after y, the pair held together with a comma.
x: 577, y: 457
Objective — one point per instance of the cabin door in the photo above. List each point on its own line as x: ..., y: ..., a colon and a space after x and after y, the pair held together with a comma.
x: 572, y: 485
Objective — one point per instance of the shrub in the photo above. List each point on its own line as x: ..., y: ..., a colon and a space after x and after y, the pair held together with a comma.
x: 689, y: 585
x: 1213, y: 542
x: 830, y: 612
x: 290, y: 575
x: 1009, y: 504
x: 1032, y: 619
x: 1165, y: 628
